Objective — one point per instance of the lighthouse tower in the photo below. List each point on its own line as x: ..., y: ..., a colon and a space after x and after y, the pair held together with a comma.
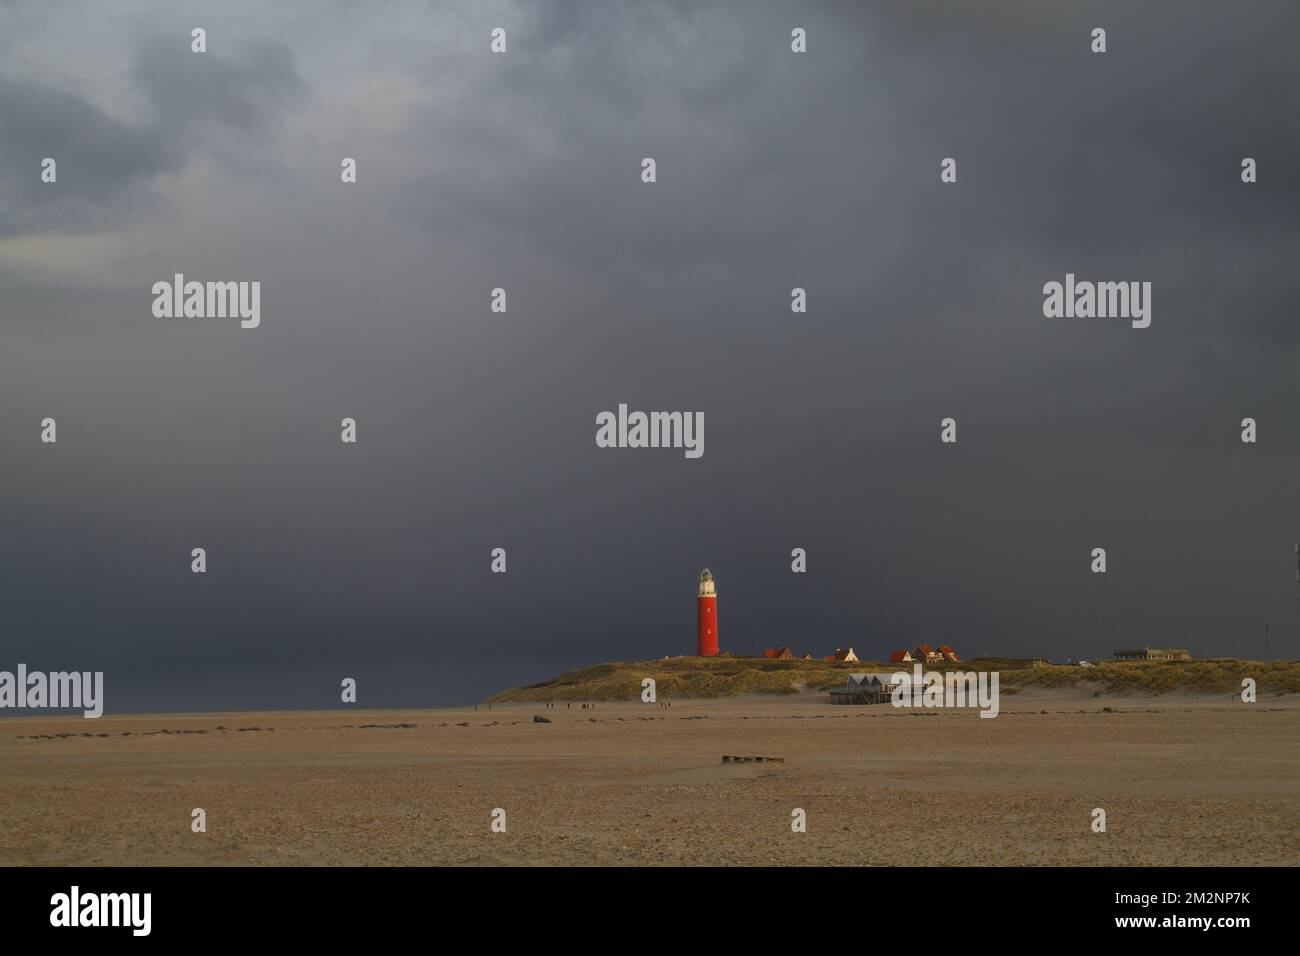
x: 706, y: 635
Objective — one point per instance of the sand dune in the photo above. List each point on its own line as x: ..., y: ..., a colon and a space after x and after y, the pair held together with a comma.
x: 1183, y: 780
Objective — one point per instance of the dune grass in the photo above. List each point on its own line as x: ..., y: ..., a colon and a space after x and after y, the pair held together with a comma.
x: 1162, y: 677
x: 729, y: 676
x: 722, y: 676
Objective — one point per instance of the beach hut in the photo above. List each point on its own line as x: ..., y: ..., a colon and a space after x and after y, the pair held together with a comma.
x: 860, y: 689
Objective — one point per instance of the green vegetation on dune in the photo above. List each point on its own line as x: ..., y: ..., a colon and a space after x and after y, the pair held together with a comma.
x: 729, y: 676
x: 722, y: 676
x: 1162, y: 677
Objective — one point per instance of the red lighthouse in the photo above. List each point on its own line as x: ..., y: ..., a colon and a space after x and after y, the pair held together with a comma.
x: 706, y: 635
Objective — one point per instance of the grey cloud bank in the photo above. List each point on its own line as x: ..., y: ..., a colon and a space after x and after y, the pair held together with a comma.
x: 522, y: 171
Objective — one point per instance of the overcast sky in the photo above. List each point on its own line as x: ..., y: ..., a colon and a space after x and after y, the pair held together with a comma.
x: 477, y: 430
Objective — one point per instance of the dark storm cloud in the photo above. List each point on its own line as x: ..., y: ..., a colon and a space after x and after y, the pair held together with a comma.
x: 818, y: 167
x: 775, y: 170
x: 41, y: 121
x: 238, y: 93
x: 105, y: 163
x: 710, y: 97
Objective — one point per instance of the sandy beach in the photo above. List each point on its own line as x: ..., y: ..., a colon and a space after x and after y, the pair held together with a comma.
x: 1183, y: 780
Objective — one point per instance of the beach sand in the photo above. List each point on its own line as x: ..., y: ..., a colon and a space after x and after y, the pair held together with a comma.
x: 1183, y: 780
